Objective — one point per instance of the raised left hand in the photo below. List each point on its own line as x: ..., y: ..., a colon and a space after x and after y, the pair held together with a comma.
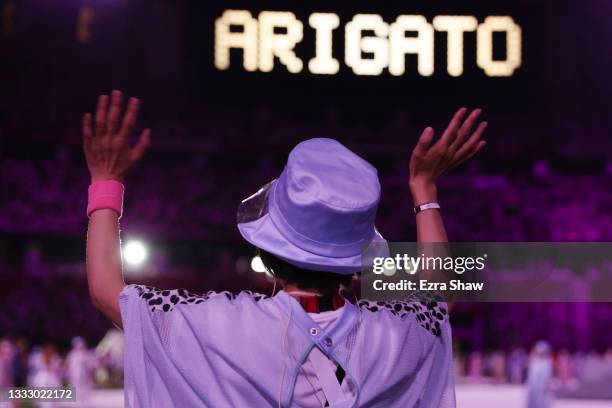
x: 107, y: 152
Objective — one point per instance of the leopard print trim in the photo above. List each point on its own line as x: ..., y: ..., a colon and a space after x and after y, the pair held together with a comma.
x: 165, y: 299
x: 430, y: 315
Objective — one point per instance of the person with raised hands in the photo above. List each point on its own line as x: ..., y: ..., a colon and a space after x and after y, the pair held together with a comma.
x: 309, y: 345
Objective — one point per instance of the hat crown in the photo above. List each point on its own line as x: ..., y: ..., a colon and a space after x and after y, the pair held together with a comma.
x: 325, y: 170
x: 326, y: 198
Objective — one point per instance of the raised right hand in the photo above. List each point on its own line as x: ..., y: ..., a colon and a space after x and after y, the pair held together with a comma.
x: 106, y: 147
x: 430, y: 160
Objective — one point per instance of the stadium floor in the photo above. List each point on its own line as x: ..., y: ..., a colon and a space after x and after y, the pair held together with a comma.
x: 468, y: 396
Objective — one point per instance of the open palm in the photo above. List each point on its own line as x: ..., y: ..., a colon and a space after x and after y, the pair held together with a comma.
x: 457, y: 144
x: 105, y: 141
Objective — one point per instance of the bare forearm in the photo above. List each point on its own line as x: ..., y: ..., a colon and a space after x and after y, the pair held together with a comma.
x: 428, y: 162
x: 430, y: 227
x: 109, y: 156
x: 104, y: 269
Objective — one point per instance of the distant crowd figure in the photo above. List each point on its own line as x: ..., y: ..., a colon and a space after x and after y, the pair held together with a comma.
x: 565, y: 370
x: 44, y: 366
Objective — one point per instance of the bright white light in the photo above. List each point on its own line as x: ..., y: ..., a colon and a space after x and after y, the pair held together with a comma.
x: 135, y: 252
x: 225, y: 39
x: 324, y: 63
x: 257, y: 265
x: 484, y: 52
x: 390, y: 270
x: 355, y: 44
x: 455, y: 26
x: 273, y: 36
x: 421, y: 45
x: 273, y: 45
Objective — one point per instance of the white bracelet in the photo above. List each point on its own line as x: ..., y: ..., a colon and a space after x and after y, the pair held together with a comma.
x: 427, y: 206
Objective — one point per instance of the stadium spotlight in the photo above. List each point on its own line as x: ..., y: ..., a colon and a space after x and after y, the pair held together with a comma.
x: 135, y: 252
x: 257, y: 265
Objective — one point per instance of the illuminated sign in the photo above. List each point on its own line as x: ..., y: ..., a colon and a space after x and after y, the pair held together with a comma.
x: 274, y: 34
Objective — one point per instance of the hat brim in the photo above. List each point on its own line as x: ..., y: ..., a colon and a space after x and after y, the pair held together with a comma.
x: 263, y: 234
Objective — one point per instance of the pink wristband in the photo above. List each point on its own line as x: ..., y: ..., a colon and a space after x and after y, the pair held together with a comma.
x: 105, y: 194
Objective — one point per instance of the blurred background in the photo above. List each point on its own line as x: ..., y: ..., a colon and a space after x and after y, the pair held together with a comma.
x: 226, y: 107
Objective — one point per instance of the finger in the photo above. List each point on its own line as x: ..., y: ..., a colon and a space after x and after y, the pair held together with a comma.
x: 478, y: 148
x: 129, y: 119
x: 425, y: 140
x: 101, y: 115
x: 451, y: 131
x: 114, y: 112
x: 141, y: 147
x: 87, y: 131
x: 471, y: 143
x: 465, y: 129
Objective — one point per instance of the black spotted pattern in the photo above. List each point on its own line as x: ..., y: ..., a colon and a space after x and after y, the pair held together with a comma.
x: 428, y: 313
x: 165, y: 300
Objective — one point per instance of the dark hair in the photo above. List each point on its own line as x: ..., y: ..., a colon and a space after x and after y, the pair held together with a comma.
x: 324, y: 282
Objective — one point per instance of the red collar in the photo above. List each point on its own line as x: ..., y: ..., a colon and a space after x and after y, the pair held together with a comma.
x: 318, y: 304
